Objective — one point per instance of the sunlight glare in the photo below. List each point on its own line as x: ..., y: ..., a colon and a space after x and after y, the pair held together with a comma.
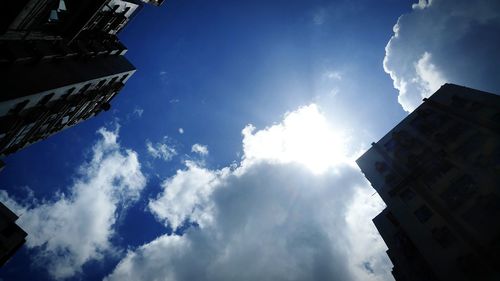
x: 305, y: 136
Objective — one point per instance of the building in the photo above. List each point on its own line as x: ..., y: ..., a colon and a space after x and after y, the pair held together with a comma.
x: 438, y: 171
x: 12, y: 237
x: 61, y: 62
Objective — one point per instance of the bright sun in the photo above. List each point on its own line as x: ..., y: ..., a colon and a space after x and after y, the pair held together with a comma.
x: 304, y: 137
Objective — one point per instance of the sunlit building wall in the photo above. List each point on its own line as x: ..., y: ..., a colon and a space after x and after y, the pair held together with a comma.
x: 61, y: 62
x: 438, y: 171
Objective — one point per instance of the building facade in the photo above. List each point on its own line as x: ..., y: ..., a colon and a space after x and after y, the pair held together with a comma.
x: 61, y: 62
x: 12, y: 237
x: 438, y: 171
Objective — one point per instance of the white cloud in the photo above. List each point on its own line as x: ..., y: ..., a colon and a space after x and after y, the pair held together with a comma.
x: 333, y: 75
x: 186, y: 196
x: 76, y: 226
x: 138, y: 111
x: 444, y: 41
x: 268, y: 218
x: 200, y: 149
x: 181, y: 131
x: 161, y: 150
x: 304, y: 137
x: 422, y: 4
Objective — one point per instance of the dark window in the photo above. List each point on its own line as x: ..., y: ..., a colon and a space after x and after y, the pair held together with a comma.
x: 45, y: 99
x: 113, y: 80
x: 484, y: 214
x: 459, y: 192
x: 19, y: 107
x: 381, y: 167
x: 406, y: 195
x: 451, y: 134
x: 391, y: 179
x: 458, y: 102
x: 404, y: 139
x: 124, y: 77
x: 102, y: 82
x: 423, y: 214
x: 392, y: 218
x: 496, y: 118
x: 391, y: 145
x: 428, y: 123
x: 443, y: 236
x: 435, y: 170
x: 85, y: 88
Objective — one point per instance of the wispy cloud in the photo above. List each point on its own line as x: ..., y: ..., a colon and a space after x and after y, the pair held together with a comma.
x: 200, y: 149
x: 161, y: 150
x: 332, y: 75
x: 181, y: 131
x: 138, y: 111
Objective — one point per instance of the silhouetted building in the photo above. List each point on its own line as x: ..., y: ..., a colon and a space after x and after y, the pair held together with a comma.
x: 438, y: 171
x: 60, y: 63
x: 12, y: 237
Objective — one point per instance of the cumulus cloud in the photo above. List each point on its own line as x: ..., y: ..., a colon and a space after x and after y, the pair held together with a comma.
x: 76, y: 226
x: 270, y: 217
x: 304, y: 137
x: 161, y: 150
x: 181, y: 131
x: 444, y: 41
x: 200, y: 149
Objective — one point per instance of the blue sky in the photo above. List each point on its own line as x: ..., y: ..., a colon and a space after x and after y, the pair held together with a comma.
x: 229, y: 154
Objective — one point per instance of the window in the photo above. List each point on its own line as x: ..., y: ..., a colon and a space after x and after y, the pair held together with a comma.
x: 407, y: 195
x: 113, y: 80
x: 123, y: 78
x: 85, y: 88
x: 390, y: 179
x: 483, y: 215
x: 70, y: 90
x: 392, y: 218
x: 436, y: 169
x: 458, y: 102
x: 381, y: 167
x: 45, y: 99
x: 391, y: 145
x: 443, y: 236
x: 496, y: 118
x: 423, y: 214
x: 99, y: 85
x: 19, y: 107
x: 459, y: 192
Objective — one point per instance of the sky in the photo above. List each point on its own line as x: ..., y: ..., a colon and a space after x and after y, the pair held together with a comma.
x: 229, y: 155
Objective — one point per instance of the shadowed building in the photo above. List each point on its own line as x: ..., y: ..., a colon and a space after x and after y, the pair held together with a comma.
x: 12, y: 237
x: 438, y: 171
x: 60, y: 63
